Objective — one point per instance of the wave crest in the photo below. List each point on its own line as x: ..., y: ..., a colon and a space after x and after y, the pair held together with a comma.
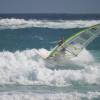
x: 63, y: 24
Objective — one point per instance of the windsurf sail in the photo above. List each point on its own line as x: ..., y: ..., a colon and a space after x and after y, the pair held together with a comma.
x: 75, y: 44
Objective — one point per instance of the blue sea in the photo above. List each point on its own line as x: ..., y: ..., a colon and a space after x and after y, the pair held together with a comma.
x: 26, y: 39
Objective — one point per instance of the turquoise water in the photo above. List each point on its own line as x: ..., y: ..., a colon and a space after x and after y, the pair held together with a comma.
x: 28, y: 38
x: 26, y: 75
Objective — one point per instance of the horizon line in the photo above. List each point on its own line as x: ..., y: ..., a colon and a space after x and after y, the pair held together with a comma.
x: 55, y: 13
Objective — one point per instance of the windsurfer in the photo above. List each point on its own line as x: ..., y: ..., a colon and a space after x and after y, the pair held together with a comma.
x: 61, y: 41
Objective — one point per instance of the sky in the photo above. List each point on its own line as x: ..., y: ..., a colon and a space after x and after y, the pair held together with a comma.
x: 50, y: 6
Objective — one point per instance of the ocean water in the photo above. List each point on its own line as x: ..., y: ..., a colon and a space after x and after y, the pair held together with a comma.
x: 25, y: 39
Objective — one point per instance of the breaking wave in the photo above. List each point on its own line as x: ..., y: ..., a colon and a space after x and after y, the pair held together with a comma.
x: 28, y: 67
x: 63, y: 24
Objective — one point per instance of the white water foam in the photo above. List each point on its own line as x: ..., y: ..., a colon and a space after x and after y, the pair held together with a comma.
x: 85, y: 56
x: 57, y: 96
x: 28, y: 67
x: 64, y: 24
